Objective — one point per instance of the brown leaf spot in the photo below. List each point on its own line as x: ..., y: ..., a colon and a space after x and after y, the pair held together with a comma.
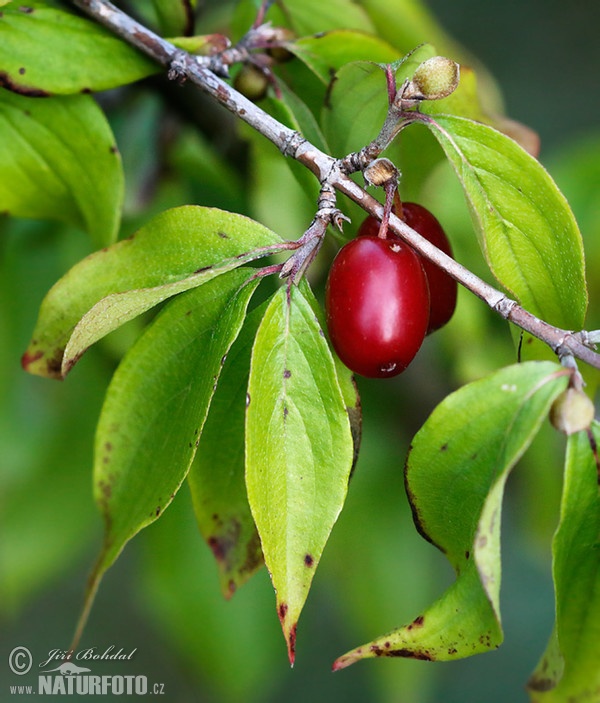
x: 223, y: 235
x: 282, y: 611
x: 444, y: 447
x: 287, y: 373
x: 541, y: 684
x: 423, y: 655
x: 27, y: 359
x: 308, y: 560
x: 417, y: 622
x: 27, y: 10
x: 225, y: 542
x: 7, y: 82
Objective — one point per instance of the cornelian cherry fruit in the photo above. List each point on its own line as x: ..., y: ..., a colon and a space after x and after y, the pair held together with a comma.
x: 442, y: 287
x: 377, y: 304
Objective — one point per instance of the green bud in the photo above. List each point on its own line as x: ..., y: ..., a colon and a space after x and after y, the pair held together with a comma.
x: 435, y: 78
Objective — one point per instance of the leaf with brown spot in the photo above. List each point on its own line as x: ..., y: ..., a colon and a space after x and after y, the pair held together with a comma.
x: 158, y: 397
x: 456, y: 499
x: 85, y: 55
x: 113, y: 286
x: 297, y: 467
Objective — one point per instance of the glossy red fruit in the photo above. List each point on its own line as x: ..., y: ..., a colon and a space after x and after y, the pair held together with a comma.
x: 377, y: 304
x: 442, y: 287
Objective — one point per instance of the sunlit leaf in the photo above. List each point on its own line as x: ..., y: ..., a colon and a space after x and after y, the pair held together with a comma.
x: 569, y: 670
x: 58, y: 160
x: 46, y: 49
x: 455, y: 476
x: 298, y: 449
x: 527, y: 230
x: 177, y: 250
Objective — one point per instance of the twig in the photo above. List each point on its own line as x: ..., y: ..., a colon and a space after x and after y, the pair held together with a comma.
x: 201, y: 71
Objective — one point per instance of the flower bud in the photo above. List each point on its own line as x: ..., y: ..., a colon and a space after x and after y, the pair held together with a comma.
x: 434, y: 79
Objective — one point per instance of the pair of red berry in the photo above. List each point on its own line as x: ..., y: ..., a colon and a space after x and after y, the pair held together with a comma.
x: 382, y: 298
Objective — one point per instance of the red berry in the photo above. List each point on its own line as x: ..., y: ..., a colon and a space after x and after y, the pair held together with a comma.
x: 369, y: 227
x: 442, y: 287
x: 377, y: 304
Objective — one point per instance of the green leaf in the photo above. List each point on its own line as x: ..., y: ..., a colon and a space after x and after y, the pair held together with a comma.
x: 356, y: 108
x: 455, y: 475
x: 45, y: 49
x: 217, y: 479
x: 178, y: 250
x: 526, y: 228
x: 344, y: 375
x: 329, y: 51
x: 569, y: 672
x: 58, y: 160
x: 357, y: 103
x: 298, y: 449
x: 313, y: 16
x: 157, y: 403
x: 176, y: 17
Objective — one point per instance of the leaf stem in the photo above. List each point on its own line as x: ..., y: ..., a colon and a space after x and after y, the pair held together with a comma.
x: 334, y: 172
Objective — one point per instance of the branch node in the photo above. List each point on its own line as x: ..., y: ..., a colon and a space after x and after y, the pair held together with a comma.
x: 291, y: 144
x: 504, y: 306
x: 178, y: 68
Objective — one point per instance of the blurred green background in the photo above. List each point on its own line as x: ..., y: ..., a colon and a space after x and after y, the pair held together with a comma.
x: 162, y: 596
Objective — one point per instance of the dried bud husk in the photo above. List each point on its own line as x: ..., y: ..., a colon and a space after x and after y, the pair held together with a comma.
x: 434, y: 79
x: 572, y: 412
x: 380, y: 172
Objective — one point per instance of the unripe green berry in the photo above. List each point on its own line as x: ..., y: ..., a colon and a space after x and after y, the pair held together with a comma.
x: 572, y: 412
x: 436, y: 78
x: 251, y: 82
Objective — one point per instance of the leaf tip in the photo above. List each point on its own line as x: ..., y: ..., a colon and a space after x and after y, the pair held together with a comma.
x: 35, y: 362
x: 289, y: 631
x: 347, y: 659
